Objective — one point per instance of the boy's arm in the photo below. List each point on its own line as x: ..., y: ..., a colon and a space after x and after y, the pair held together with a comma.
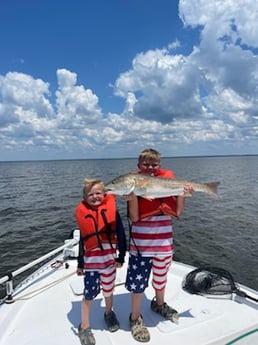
x: 132, y: 207
x: 180, y: 204
x: 80, y: 261
x: 121, y: 239
x: 181, y: 199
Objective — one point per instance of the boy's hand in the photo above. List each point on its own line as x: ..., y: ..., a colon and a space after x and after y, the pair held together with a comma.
x: 129, y: 197
x: 79, y: 272
x: 188, y: 189
x: 118, y: 264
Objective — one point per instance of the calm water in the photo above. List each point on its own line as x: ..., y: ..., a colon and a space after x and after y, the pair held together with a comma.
x: 37, y: 202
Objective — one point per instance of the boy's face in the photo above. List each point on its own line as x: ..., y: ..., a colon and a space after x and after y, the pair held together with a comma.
x: 95, y: 196
x: 149, y: 167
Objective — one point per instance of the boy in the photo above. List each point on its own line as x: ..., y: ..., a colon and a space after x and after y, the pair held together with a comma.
x: 101, y: 231
x: 151, y: 245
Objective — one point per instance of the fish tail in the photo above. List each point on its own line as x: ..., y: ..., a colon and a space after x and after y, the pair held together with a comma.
x: 212, y: 188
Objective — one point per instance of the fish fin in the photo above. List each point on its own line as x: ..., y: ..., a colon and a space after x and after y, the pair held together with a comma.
x: 131, y: 189
x: 147, y: 197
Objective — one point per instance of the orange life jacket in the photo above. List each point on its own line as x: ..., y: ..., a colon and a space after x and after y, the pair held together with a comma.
x: 97, y: 226
x: 167, y: 205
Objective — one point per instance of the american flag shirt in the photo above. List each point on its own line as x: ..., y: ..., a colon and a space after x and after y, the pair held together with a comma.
x: 152, y: 236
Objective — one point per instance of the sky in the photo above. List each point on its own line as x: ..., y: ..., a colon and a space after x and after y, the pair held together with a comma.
x: 83, y: 79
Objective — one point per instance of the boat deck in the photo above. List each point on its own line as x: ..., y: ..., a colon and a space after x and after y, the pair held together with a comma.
x: 47, y: 311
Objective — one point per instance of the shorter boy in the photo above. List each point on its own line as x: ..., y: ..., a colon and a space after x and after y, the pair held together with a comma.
x: 101, y: 232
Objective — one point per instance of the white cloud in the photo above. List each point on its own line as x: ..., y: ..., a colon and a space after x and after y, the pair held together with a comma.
x: 170, y: 99
x: 76, y: 107
x: 223, y: 17
x: 18, y: 89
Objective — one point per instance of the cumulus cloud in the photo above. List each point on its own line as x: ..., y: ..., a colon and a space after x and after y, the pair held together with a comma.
x: 165, y: 86
x: 76, y: 107
x: 170, y: 86
x: 27, y: 114
x: 215, y: 84
x: 170, y: 98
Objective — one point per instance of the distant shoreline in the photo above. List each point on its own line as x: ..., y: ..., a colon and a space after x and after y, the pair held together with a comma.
x: 123, y: 158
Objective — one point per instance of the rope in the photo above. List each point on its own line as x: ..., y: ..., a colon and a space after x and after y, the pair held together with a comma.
x: 42, y: 288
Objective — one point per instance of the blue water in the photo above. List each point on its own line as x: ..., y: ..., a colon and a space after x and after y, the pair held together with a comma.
x: 38, y: 200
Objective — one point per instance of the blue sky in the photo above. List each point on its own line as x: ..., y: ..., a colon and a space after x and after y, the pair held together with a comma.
x: 105, y: 79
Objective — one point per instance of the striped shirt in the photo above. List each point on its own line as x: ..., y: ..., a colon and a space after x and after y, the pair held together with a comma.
x: 98, y: 259
x: 152, y: 236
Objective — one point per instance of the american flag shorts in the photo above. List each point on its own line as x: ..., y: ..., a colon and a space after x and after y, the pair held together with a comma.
x: 139, y: 270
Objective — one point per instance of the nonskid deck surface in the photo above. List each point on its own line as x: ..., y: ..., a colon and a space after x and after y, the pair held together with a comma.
x: 47, y: 311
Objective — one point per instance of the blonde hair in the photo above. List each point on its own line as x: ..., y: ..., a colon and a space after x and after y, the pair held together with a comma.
x: 89, y: 183
x: 150, y: 155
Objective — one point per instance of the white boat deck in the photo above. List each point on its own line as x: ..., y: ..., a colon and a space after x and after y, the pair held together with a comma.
x: 47, y: 311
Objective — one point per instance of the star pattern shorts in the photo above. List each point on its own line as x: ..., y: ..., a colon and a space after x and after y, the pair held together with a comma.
x: 139, y: 269
x: 94, y: 279
x: 138, y: 273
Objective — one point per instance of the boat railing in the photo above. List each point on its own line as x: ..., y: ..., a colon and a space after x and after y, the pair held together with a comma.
x: 8, y: 278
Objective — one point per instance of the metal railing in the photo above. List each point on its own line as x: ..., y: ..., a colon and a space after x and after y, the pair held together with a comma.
x: 8, y: 278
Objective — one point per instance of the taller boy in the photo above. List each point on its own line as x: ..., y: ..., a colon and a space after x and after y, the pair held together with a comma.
x: 151, y: 245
